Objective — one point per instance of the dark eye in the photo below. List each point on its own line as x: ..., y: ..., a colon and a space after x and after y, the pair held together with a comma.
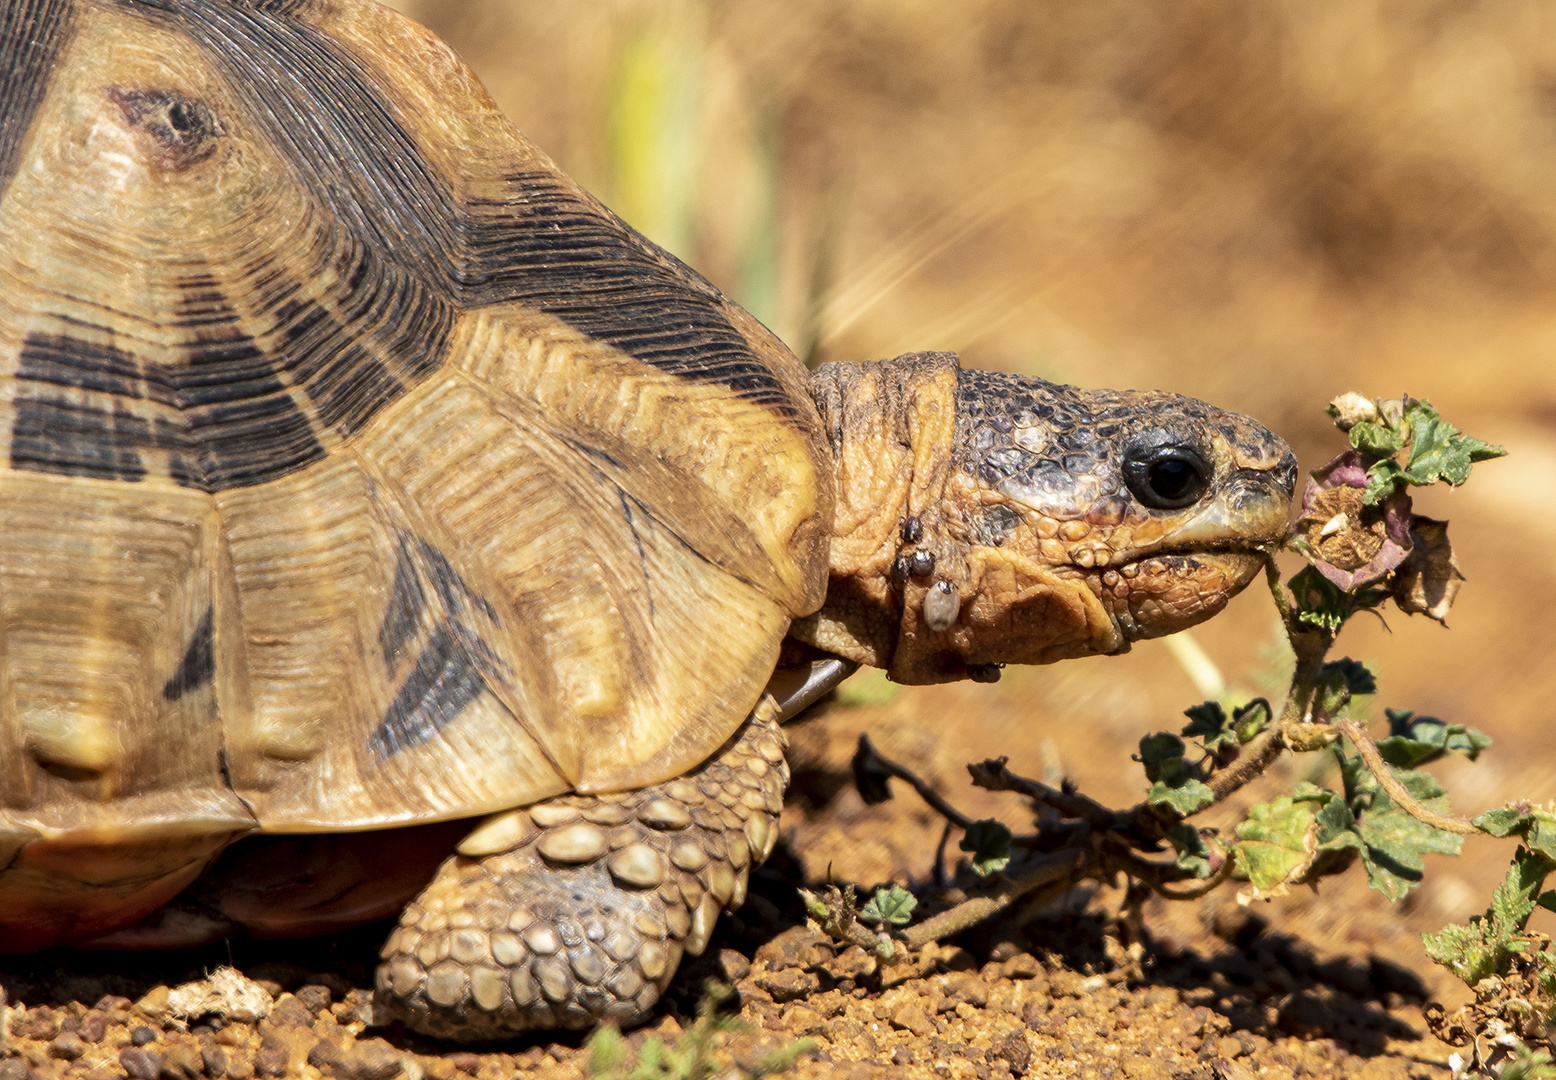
x: 1166, y: 477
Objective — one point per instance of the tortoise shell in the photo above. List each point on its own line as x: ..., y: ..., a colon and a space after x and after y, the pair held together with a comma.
x: 361, y: 469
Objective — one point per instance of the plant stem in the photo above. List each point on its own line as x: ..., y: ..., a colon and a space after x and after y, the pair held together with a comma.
x: 1048, y: 870
x: 1199, y: 889
x: 1309, y: 648
x: 925, y: 792
x: 992, y: 775
x: 1397, y: 791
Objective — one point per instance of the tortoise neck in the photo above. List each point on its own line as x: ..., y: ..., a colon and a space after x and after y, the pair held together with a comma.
x: 891, y: 427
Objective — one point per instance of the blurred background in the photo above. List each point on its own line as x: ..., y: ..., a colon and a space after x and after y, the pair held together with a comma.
x: 1261, y: 205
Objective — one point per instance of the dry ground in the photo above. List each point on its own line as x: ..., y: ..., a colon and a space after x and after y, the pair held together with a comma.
x: 1262, y: 205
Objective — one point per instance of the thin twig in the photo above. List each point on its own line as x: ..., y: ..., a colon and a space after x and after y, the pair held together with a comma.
x: 927, y: 793
x: 992, y: 775
x: 1278, y: 591
x: 1194, y: 892
x: 1309, y: 648
x: 1249, y: 765
x: 1397, y: 791
x: 1047, y: 870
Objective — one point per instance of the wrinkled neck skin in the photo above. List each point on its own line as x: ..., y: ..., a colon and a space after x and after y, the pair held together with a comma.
x: 984, y: 518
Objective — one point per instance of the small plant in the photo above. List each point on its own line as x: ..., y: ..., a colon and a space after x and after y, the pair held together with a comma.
x: 695, y: 1055
x: 1366, y: 550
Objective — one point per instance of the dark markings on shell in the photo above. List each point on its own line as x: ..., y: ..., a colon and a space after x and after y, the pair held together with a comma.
x: 540, y: 242
x: 449, y: 674
x: 181, y: 129
x: 237, y: 410
x: 242, y: 424
x: 452, y: 589
x: 278, y: 7
x: 407, y: 602
x: 31, y: 34
x: 430, y: 600
x: 57, y: 428
x: 332, y: 125
x: 546, y: 245
x: 199, y: 664
x: 626, y: 509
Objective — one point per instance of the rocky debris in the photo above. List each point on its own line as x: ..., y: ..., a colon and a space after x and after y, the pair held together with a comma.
x: 1042, y: 1006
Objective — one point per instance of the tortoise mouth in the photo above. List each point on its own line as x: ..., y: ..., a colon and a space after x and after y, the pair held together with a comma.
x: 1169, y: 591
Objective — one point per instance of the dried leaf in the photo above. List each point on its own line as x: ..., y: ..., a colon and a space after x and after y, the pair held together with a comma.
x: 1351, y: 409
x: 1427, y: 582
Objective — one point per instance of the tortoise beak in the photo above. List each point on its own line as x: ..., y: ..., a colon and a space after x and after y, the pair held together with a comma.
x: 1252, y: 510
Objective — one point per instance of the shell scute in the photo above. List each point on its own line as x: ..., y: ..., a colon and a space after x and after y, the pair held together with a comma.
x: 359, y: 467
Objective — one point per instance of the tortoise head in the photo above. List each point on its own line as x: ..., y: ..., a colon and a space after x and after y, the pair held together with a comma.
x: 986, y: 518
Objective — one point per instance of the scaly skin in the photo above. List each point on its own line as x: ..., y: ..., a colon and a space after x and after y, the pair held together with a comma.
x: 985, y: 518
x: 585, y: 917
x: 981, y: 519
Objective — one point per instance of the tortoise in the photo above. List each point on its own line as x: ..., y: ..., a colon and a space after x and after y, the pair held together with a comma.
x: 380, y: 508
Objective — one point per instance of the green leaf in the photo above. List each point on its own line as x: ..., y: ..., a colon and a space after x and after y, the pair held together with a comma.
x: 989, y: 842
x: 1528, y: 1065
x: 1276, y: 844
x: 1438, y: 451
x: 1376, y: 440
x: 1188, y: 796
x: 892, y: 905
x: 1319, y: 602
x: 1193, y: 852
x: 1503, y: 821
x: 1335, y: 824
x: 1394, y: 842
x: 783, y: 1060
x: 1514, y: 900
x: 1487, y: 945
x: 1536, y: 827
x: 1352, y: 674
x: 1174, y: 783
x: 1208, y: 723
x: 1162, y: 756
x: 1251, y: 719
x: 1382, y: 478
x: 865, y: 688
x: 1415, y: 740
x: 1463, y: 950
x: 814, y: 907
x: 607, y: 1050
x: 1338, y: 682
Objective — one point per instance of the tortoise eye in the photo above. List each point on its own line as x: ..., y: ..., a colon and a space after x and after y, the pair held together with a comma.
x: 1166, y: 477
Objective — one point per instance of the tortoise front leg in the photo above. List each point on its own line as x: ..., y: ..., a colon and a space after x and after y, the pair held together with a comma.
x: 577, y: 910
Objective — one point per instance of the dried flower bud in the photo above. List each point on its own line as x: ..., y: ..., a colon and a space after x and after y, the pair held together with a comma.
x: 1351, y: 409
x: 1350, y: 542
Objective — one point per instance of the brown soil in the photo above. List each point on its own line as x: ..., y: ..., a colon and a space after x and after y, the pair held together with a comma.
x: 1263, y: 205
x: 1056, y: 997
